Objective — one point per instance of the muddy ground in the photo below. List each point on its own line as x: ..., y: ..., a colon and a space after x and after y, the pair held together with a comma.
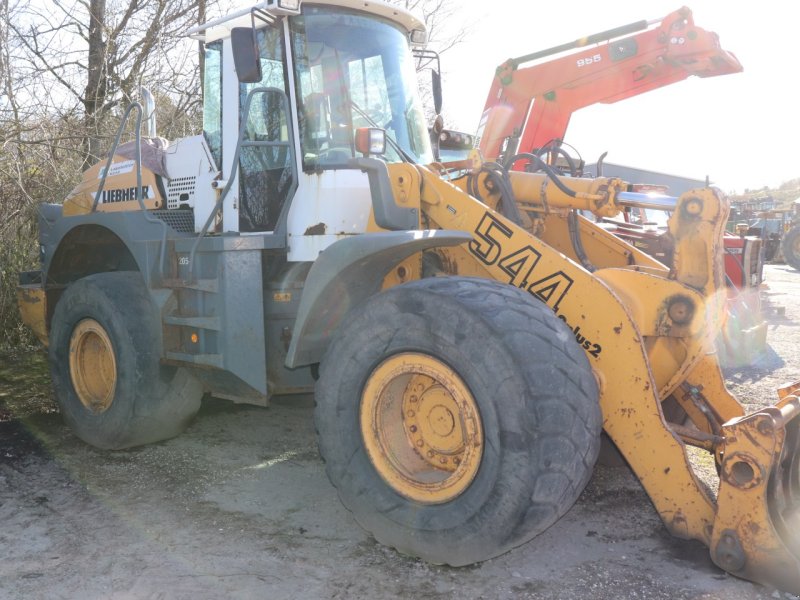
x: 239, y: 507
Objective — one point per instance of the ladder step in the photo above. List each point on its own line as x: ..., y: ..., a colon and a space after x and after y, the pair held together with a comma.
x: 212, y: 323
x: 202, y: 285
x: 209, y: 360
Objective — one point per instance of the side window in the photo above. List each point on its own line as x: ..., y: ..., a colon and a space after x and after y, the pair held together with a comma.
x: 266, y: 176
x: 212, y: 100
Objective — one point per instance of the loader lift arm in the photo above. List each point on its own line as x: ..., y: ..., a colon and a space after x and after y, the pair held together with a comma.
x: 529, y: 106
x: 660, y: 323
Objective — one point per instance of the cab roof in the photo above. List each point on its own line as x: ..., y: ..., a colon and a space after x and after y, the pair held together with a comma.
x: 221, y: 27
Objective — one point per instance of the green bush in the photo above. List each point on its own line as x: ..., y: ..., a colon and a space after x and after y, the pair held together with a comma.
x: 18, y: 252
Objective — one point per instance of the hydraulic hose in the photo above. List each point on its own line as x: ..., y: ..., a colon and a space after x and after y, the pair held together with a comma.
x: 556, y: 147
x: 572, y: 218
x: 577, y: 244
x: 544, y: 167
x: 498, y: 177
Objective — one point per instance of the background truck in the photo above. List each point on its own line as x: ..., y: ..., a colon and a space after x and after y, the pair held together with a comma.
x: 791, y: 239
x: 779, y: 230
x: 469, y: 340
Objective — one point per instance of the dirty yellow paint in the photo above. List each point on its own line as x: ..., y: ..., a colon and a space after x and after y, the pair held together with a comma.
x: 648, y: 330
x: 32, y: 303
x: 81, y: 199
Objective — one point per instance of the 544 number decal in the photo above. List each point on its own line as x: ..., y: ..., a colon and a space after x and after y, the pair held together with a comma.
x: 519, y: 266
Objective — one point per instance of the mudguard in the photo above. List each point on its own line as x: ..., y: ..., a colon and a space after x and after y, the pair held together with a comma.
x: 346, y: 273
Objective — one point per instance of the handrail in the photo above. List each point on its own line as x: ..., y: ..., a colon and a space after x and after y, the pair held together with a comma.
x: 138, y: 194
x: 123, y: 122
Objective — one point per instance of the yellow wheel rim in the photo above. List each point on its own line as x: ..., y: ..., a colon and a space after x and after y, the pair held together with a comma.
x: 421, y: 428
x: 92, y: 365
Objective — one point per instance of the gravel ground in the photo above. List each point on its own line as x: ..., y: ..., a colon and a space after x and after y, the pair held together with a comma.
x: 239, y: 507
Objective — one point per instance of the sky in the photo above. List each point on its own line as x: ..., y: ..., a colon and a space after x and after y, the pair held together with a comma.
x: 741, y: 130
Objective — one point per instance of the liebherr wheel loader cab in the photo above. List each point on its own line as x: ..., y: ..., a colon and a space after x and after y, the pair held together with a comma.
x: 472, y: 336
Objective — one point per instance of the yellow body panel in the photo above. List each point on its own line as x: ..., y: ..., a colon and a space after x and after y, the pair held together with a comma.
x: 405, y: 180
x: 32, y: 302
x: 608, y: 249
x: 748, y: 542
x: 118, y: 191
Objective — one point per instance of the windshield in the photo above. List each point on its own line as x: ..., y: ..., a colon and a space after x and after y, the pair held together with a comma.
x: 355, y: 71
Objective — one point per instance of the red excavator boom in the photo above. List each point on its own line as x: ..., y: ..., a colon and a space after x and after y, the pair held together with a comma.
x: 530, y: 106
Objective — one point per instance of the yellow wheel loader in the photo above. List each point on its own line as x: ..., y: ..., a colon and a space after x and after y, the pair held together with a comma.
x: 468, y: 337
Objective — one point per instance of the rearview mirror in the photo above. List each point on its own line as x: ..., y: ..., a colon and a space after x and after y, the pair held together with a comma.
x: 436, y: 88
x: 245, y: 54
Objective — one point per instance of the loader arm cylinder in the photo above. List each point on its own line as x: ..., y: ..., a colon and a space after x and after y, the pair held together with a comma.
x: 640, y: 200
x: 602, y: 195
x: 596, y: 195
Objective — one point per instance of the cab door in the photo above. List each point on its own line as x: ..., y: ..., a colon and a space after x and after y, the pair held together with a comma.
x: 267, y: 179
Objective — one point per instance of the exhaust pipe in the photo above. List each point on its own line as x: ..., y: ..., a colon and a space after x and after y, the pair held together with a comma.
x: 149, y: 111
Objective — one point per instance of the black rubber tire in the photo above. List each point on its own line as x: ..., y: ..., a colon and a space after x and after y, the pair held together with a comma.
x: 791, y: 247
x: 534, y: 389
x: 151, y: 402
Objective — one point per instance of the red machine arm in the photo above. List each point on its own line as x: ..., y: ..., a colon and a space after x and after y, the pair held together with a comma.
x: 528, y: 107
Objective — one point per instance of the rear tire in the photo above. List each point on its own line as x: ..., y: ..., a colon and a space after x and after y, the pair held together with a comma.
x: 105, y: 346
x: 506, y: 432
x: 791, y: 247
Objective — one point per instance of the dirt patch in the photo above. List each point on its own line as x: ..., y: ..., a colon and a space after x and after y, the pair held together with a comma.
x: 24, y: 385
x: 239, y: 507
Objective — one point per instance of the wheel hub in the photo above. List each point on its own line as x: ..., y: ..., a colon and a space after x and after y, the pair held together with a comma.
x: 421, y: 428
x: 92, y: 365
x: 432, y: 422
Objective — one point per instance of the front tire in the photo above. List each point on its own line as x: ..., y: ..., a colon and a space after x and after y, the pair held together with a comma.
x: 105, y: 344
x: 457, y: 417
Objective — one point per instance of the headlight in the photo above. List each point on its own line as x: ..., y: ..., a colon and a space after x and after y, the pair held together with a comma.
x: 419, y: 37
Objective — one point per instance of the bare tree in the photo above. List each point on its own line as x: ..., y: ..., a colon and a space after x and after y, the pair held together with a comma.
x: 446, y: 29
x: 66, y: 67
x: 97, y: 53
